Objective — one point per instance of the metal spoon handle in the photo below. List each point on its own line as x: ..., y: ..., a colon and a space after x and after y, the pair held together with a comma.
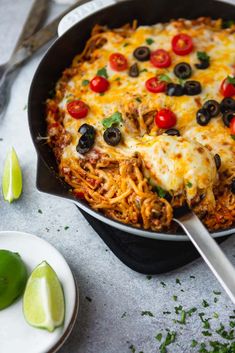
x: 210, y: 251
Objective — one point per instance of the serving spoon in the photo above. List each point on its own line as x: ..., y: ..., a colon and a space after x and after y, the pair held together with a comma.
x: 209, y: 250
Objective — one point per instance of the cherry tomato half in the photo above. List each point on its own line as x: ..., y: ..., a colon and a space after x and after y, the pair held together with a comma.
x: 165, y: 119
x: 232, y: 126
x: 227, y: 88
x: 99, y: 84
x: 155, y: 86
x: 77, y: 109
x: 118, y: 62
x: 182, y: 44
x: 160, y: 58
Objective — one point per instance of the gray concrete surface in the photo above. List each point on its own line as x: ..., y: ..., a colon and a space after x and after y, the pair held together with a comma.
x: 102, y: 326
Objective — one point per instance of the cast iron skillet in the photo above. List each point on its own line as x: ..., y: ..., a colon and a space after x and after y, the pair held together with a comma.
x: 60, y: 55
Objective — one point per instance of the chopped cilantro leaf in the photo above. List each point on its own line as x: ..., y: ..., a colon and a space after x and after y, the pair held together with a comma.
x: 175, y: 298
x: 204, y: 303
x: 102, y: 72
x: 66, y: 227
x: 85, y: 82
x: 147, y: 313
x: 138, y: 99
x: 126, y: 44
x: 206, y: 333
x: 39, y: 211
x: 132, y: 348
x: 177, y: 281
x: 164, y: 78
x: 228, y: 335
x: 232, y: 324
x: 161, y: 192
x: 194, y: 343
x: 202, y: 55
x: 189, y: 184
x: 216, y: 293
x: 163, y: 284
x: 123, y: 315
x: 178, y: 309
x: 166, y: 312
x: 191, y: 311
x: 143, y: 70
x: 159, y: 337
x: 215, y: 315
x: 192, y: 277
x: 149, y: 41
x: 102, y: 94
x: 149, y: 277
x: 231, y: 80
x: 115, y: 118
x: 170, y: 338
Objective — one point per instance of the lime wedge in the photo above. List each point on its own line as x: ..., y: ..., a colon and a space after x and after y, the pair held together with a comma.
x: 12, y: 177
x: 43, y: 301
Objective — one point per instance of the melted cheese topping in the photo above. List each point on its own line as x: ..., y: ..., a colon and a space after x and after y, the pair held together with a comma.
x: 174, y: 163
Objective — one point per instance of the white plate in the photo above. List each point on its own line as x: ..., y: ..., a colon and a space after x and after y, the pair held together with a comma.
x: 15, y: 334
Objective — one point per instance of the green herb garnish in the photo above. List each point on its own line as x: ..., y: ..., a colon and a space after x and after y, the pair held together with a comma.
x: 115, y: 118
x: 102, y: 72
x: 66, y: 227
x: 194, y: 343
x: 175, y: 298
x: 170, y: 338
x: 126, y: 44
x: 204, y: 303
x: 202, y: 55
x: 233, y: 137
x: 85, y: 82
x: 228, y: 23
x: 132, y: 348
x: 149, y: 41
x: 164, y: 78
x: 159, y: 337
x: 231, y: 80
x: 161, y: 192
x: 189, y: 184
x: 88, y: 299
x: 143, y: 70
x: 149, y: 277
x: 138, y: 99
x: 147, y: 313
x: 123, y: 315
x: 163, y: 284
x: 216, y: 293
x: 177, y: 281
x: 40, y: 211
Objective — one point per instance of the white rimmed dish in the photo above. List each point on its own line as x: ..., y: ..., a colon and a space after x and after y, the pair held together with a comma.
x: 15, y: 334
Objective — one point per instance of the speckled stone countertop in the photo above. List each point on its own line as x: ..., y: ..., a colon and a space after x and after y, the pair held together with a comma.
x: 112, y: 297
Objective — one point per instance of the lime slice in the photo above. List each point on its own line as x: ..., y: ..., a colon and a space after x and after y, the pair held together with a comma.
x: 12, y: 177
x: 43, y: 302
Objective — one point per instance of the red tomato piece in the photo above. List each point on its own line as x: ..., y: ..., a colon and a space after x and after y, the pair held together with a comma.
x: 227, y: 88
x: 77, y: 109
x: 232, y: 126
x: 165, y: 119
x: 160, y: 58
x: 182, y: 44
x: 155, y: 86
x: 118, y: 62
x: 79, y: 194
x: 99, y: 84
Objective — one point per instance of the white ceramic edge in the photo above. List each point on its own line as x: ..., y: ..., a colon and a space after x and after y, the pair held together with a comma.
x: 80, y: 12
x: 67, y: 22
x: 65, y: 335
x: 137, y: 231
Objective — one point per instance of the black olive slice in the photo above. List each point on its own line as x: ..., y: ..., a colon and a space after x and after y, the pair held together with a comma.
x: 192, y: 88
x: 233, y: 186
x: 86, y: 128
x: 203, y: 117
x: 212, y: 107
x: 204, y: 64
x: 217, y: 161
x: 142, y: 53
x: 85, y: 143
x: 174, y: 89
x: 134, y: 70
x: 172, y: 132
x: 112, y: 136
x: 227, y: 103
x: 227, y: 117
x: 183, y: 70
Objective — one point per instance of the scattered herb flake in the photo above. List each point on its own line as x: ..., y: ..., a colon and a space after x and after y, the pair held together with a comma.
x: 143, y: 70
x: 181, y: 82
x: 231, y: 80
x: 126, y: 44
x: 102, y: 72
x: 164, y: 78
x: 25, y: 107
x: 216, y: 315
x: 189, y: 184
x: 115, y: 118
x: 138, y: 99
x: 166, y: 312
x: 204, y: 303
x: 66, y: 227
x: 147, y: 313
x: 175, y: 298
x: 170, y: 338
x: 123, y: 315
x: 163, y: 284
x: 232, y: 324
x: 215, y: 300
x: 216, y: 292
x: 132, y: 348
x: 159, y: 337
x: 88, y: 299
x: 161, y: 192
x: 102, y: 94
x: 149, y: 277
x: 202, y: 55
x: 194, y: 343
x: 85, y: 82
x: 191, y: 311
x: 206, y: 333
x: 177, y: 281
x: 228, y: 23
x: 233, y: 137
x: 149, y: 41
x: 39, y: 211
x: 192, y: 277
